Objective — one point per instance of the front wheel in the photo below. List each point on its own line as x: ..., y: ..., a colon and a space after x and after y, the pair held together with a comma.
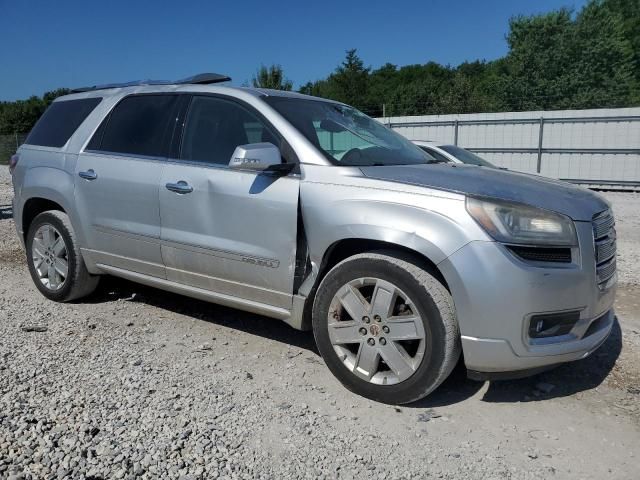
x: 385, y: 327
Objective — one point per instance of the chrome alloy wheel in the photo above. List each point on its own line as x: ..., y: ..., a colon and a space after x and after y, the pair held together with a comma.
x: 376, y: 331
x: 50, y: 257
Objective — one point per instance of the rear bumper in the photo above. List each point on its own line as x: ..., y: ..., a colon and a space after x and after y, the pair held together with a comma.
x: 496, y: 295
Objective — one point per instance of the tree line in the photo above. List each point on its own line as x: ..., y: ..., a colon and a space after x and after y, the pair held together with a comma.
x: 556, y: 60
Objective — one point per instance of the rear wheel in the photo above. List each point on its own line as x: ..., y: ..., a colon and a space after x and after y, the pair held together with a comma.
x: 54, y: 258
x: 385, y: 327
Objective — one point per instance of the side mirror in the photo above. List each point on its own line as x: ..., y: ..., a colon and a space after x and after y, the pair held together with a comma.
x: 256, y: 156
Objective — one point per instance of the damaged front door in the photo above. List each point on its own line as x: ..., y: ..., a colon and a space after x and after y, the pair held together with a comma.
x: 228, y: 231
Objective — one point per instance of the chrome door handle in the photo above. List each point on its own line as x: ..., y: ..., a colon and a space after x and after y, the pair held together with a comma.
x: 181, y: 187
x: 88, y: 175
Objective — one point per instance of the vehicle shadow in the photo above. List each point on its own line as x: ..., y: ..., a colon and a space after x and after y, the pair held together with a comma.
x: 112, y: 288
x: 564, y: 380
x: 6, y: 212
x: 456, y: 388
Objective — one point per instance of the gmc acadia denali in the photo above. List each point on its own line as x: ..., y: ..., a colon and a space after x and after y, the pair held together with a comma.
x: 308, y: 211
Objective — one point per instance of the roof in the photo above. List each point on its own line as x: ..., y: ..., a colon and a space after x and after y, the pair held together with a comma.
x: 204, y: 82
x: 199, y: 79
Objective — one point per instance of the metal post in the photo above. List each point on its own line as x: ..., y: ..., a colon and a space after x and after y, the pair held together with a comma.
x: 455, y: 133
x: 540, y: 134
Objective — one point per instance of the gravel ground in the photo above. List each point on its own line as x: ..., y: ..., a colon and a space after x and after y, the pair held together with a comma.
x: 137, y: 382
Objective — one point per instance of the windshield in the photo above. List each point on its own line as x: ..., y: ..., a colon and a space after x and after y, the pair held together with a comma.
x: 347, y: 136
x: 465, y: 156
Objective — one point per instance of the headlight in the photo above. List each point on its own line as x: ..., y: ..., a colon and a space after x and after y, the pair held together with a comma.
x: 521, y: 224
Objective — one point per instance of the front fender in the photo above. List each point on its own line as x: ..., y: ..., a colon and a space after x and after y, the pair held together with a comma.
x: 433, y: 226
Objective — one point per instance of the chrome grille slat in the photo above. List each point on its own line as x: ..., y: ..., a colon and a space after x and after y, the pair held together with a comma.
x: 604, y: 236
x: 606, y: 271
x: 605, y: 250
x: 602, y: 225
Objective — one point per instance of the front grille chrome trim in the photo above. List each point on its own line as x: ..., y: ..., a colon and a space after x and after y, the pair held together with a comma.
x: 604, y: 242
x: 602, y: 224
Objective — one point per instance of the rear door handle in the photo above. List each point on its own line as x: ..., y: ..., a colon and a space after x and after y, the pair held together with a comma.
x: 181, y: 187
x: 88, y: 175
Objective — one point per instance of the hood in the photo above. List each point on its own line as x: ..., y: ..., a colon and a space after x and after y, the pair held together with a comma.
x: 576, y: 202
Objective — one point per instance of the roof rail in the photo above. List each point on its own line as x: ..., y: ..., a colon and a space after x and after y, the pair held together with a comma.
x: 200, y: 79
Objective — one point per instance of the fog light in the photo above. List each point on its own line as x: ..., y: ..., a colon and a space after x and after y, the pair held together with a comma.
x: 552, y: 324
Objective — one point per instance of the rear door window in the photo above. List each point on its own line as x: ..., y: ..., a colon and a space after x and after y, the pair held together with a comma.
x: 138, y: 125
x: 60, y: 121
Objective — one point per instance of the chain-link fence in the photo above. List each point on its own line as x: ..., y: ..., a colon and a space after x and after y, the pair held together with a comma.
x: 9, y: 144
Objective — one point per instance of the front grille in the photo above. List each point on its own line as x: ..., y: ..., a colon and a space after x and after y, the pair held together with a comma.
x: 606, y: 270
x: 602, y: 224
x: 542, y: 254
x: 605, y: 249
x: 604, y: 236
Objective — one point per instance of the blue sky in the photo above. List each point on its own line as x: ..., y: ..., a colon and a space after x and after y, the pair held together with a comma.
x: 69, y: 43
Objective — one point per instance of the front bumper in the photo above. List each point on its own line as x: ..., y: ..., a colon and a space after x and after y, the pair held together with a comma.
x: 490, y: 355
x: 495, y: 295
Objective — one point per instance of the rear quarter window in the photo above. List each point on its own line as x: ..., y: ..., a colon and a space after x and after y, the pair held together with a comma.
x: 60, y: 121
x: 138, y: 125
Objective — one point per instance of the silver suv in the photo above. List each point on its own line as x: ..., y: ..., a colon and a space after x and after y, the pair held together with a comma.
x: 307, y: 211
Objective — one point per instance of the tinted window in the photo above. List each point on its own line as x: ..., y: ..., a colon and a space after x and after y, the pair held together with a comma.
x: 215, y: 127
x: 438, y: 157
x: 466, y: 156
x: 138, y: 125
x: 60, y: 121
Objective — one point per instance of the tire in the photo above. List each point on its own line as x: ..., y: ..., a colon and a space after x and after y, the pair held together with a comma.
x: 54, y: 226
x: 418, y: 304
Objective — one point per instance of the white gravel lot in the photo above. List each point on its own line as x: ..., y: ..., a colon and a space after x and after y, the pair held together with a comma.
x: 135, y: 382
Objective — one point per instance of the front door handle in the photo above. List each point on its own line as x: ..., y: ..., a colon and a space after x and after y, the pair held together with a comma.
x: 181, y: 187
x: 88, y: 175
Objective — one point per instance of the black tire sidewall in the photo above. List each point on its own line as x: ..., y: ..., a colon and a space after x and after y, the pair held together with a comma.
x: 65, y: 291
x: 427, y: 373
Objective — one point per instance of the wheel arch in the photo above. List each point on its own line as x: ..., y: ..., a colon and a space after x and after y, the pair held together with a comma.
x: 43, y: 188
x: 35, y: 206
x: 348, y: 247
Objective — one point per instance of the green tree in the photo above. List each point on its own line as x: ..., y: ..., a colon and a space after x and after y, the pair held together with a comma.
x: 628, y: 13
x: 348, y: 83
x: 540, y: 48
x: 603, y: 62
x: 271, y: 77
x: 556, y: 61
x: 350, y: 80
